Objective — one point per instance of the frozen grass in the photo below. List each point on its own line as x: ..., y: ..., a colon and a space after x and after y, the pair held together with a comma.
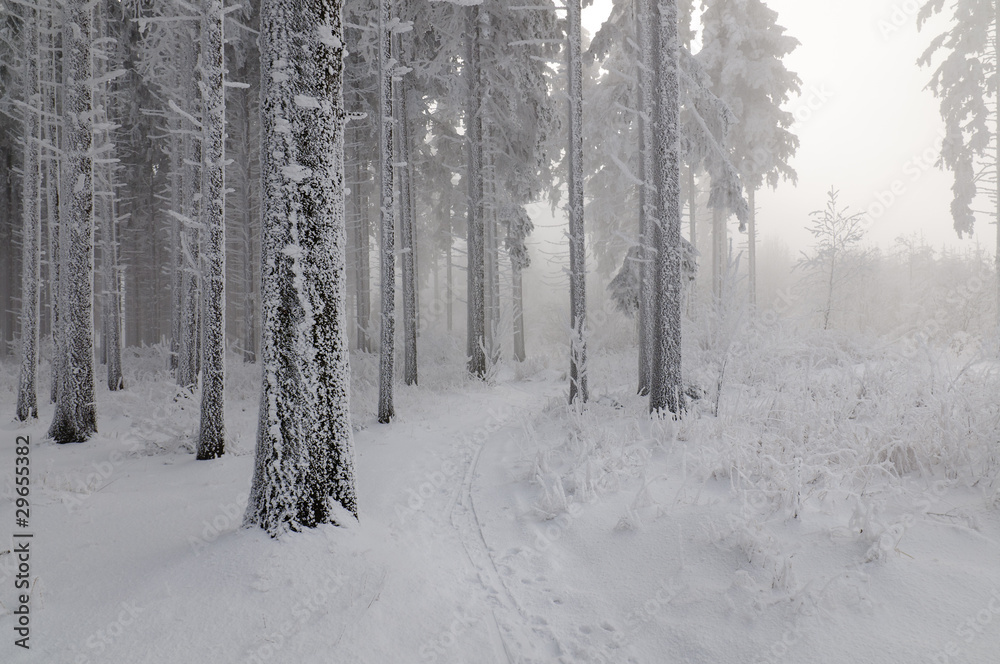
x: 796, y: 426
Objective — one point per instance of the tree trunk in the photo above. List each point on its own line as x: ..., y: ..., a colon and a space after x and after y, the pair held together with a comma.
x: 387, y: 255
x: 647, y: 194
x: 31, y: 237
x: 719, y: 253
x: 212, y: 431
x: 106, y: 212
x: 177, y: 281
x: 752, y: 245
x: 996, y: 148
x: 407, y: 244
x: 189, y: 361
x: 666, y: 388
x: 518, y: 303
x: 577, y: 247
x: 76, y: 415
x: 474, y: 255
x: 449, y: 292
x: 304, y: 471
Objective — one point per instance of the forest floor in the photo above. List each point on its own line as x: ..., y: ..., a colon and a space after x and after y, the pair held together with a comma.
x: 799, y: 522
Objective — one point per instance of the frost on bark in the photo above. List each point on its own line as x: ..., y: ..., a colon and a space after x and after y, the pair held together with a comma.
x: 407, y: 243
x: 476, y: 343
x: 387, y: 253
x: 304, y: 472
x: 212, y: 431
x: 577, y: 247
x: 31, y: 237
x: 189, y: 346
x: 647, y: 193
x: 106, y: 203
x: 75, y: 414
x: 665, y: 387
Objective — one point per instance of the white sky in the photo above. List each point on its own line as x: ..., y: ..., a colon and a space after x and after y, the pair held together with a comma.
x: 864, y: 121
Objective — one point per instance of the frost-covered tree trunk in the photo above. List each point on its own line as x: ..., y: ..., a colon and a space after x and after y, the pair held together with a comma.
x: 52, y: 179
x: 76, y: 415
x: 362, y: 267
x: 518, y: 305
x: 106, y: 202
x: 577, y: 246
x: 176, y: 248
x: 304, y: 472
x: 474, y: 136
x: 693, y: 208
x: 720, y: 252
x: 647, y: 192
x: 665, y: 393
x: 407, y: 244
x: 752, y: 244
x: 387, y: 252
x: 491, y: 294
x: 242, y: 182
x: 212, y: 430
x: 31, y: 235
x: 189, y: 362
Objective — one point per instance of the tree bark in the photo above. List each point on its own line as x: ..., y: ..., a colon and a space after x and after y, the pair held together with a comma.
x: 386, y: 63
x: 666, y: 389
x: 76, y: 415
x: 752, y: 244
x: 577, y: 246
x: 212, y: 431
x: 407, y: 244
x: 647, y: 193
x: 31, y: 237
x: 518, y: 305
x: 304, y: 471
x: 476, y: 275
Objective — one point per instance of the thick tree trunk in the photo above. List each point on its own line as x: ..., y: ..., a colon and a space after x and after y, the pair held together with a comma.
x: 577, y: 247
x: 387, y: 253
x: 212, y: 430
x: 31, y: 237
x: 666, y: 388
x: 304, y: 472
x: 476, y: 275
x: 76, y: 415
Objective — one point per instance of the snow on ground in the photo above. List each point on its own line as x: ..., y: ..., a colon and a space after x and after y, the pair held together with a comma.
x: 841, y: 507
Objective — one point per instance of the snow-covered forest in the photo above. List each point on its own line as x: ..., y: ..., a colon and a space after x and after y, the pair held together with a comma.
x: 365, y: 331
